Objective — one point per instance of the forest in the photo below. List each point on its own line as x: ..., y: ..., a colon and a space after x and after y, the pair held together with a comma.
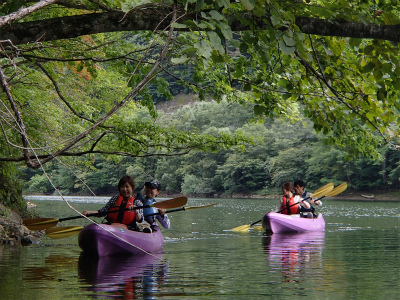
x: 287, y: 90
x: 281, y: 150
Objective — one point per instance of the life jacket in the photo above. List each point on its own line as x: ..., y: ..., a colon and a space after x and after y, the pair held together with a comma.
x: 118, y: 213
x: 149, y: 210
x: 289, y: 207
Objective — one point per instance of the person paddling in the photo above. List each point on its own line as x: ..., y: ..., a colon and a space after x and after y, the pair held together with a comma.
x: 300, y: 190
x: 291, y: 204
x: 152, y: 190
x: 120, y: 209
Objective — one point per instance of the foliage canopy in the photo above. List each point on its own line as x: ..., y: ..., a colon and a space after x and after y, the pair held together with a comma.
x: 74, y: 73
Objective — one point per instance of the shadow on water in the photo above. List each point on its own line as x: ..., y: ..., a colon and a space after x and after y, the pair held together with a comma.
x: 129, y: 277
x: 295, y: 254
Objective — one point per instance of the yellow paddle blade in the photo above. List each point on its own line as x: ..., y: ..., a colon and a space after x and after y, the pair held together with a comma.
x: 323, y: 191
x: 241, y: 228
x: 63, y: 232
x: 337, y: 190
x: 259, y: 228
x: 172, y: 203
x: 40, y: 223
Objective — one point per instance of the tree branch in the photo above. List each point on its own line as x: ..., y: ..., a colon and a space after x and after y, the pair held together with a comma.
x: 149, y: 17
x: 23, y: 12
x: 18, y: 120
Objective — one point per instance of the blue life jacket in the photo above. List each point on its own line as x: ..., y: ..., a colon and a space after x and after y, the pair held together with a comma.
x: 149, y: 210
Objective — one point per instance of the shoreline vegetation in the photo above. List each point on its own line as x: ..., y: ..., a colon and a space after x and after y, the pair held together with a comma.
x: 352, y: 196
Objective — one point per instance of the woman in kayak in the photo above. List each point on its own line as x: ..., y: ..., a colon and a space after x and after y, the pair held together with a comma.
x: 121, y: 208
x: 291, y: 204
x: 152, y: 190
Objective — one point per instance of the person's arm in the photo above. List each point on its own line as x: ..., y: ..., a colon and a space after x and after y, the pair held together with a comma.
x: 102, y: 210
x: 302, y: 203
x: 90, y: 212
x: 139, y: 212
x: 318, y: 202
x: 163, y: 219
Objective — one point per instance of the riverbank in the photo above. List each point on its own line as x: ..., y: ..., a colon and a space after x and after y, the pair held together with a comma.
x: 12, y: 230
x: 351, y: 196
x: 347, y: 195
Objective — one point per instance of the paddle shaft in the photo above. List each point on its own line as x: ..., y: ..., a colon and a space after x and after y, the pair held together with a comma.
x: 335, y: 191
x: 105, y: 213
x: 168, y: 211
x: 285, y: 208
x: 279, y: 211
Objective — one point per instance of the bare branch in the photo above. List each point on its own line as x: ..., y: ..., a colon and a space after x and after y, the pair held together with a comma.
x: 23, y: 12
x: 19, y: 120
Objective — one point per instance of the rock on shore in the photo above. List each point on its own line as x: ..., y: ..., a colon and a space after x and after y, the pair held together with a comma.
x: 12, y: 230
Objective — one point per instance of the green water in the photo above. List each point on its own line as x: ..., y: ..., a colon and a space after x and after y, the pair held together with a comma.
x: 357, y: 257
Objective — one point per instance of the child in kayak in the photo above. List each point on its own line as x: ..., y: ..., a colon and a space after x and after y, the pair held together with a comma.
x: 120, y: 209
x: 152, y: 190
x: 291, y: 204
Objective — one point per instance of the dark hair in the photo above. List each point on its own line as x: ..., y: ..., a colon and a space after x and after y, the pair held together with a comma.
x: 299, y: 183
x: 126, y: 179
x: 287, y: 186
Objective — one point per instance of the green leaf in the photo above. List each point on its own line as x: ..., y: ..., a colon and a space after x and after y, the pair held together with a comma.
x: 368, y: 67
x: 396, y: 84
x: 387, y: 68
x: 199, y: 4
x: 243, y: 47
x: 258, y: 110
x: 285, y: 49
x: 276, y: 21
x: 289, y: 41
x: 355, y: 42
x: 378, y: 74
x: 178, y: 25
x: 216, y: 15
x: 225, y: 30
x: 368, y: 50
x: 248, y: 4
x: 179, y: 60
x: 247, y: 87
x: 203, y: 49
x: 215, y: 42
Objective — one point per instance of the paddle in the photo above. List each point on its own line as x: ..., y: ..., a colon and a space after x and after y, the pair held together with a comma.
x: 182, y: 208
x: 337, y: 190
x: 67, y: 231
x: 321, y: 191
x: 44, y: 223
x: 63, y: 232
x: 314, y: 195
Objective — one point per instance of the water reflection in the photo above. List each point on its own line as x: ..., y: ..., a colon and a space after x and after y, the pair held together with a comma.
x: 129, y: 277
x: 56, y: 269
x: 296, y: 255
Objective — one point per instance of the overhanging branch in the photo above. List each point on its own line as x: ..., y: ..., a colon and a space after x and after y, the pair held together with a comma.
x: 149, y: 17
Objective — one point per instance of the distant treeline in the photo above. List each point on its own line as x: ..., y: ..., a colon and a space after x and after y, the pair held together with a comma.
x: 282, y: 151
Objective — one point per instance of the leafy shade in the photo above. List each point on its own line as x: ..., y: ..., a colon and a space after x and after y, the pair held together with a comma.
x: 75, y: 89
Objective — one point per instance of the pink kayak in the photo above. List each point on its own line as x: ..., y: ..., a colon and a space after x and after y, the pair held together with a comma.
x: 104, y: 240
x: 281, y: 223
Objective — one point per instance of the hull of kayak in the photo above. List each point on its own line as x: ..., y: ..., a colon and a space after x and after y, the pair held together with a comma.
x: 105, y: 240
x: 281, y: 223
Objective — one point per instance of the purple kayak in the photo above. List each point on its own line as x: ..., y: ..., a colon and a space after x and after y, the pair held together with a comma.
x: 281, y: 223
x: 104, y: 240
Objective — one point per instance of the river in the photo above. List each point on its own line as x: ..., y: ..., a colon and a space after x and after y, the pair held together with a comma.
x: 357, y: 257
